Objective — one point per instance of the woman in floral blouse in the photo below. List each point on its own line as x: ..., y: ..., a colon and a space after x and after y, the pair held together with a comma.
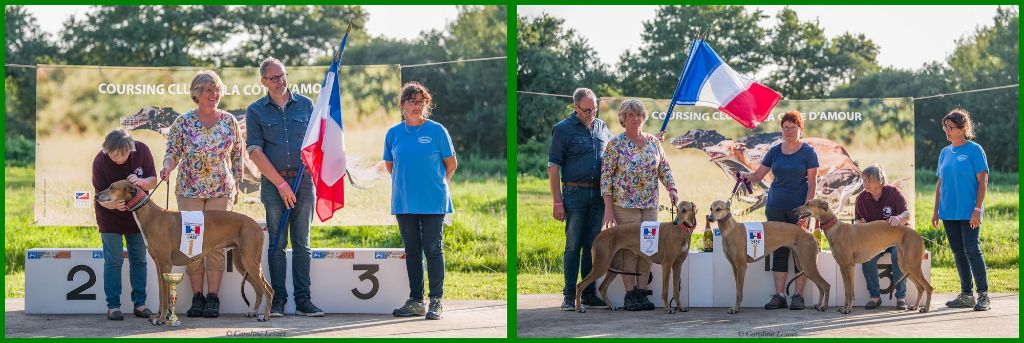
x: 207, y: 145
x: 632, y: 164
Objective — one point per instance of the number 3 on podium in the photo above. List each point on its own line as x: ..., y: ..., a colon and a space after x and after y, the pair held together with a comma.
x: 368, y: 271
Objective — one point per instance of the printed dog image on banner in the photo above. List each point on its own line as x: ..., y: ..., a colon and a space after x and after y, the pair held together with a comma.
x: 78, y: 105
x: 708, y: 145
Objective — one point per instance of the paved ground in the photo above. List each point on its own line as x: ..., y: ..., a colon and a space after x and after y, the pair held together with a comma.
x: 539, y: 316
x: 462, y: 318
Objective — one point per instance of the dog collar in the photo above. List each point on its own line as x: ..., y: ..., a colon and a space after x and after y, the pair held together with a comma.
x: 140, y: 199
x: 828, y: 224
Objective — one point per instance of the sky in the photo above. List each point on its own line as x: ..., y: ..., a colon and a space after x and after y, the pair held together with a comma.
x: 401, y: 22
x: 908, y: 36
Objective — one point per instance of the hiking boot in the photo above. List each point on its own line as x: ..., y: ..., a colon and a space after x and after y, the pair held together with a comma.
x: 144, y: 313
x: 198, y: 305
x: 796, y: 302
x: 645, y: 303
x: 277, y: 307
x: 568, y: 303
x: 983, y: 302
x: 411, y: 308
x: 961, y: 301
x: 212, y: 309
x: 434, y: 312
x: 901, y: 304
x: 776, y: 303
x: 873, y: 304
x: 306, y: 308
x: 592, y: 300
x: 632, y: 302
x: 115, y: 314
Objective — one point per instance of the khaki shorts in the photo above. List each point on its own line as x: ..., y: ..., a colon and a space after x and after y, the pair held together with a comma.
x: 215, y: 261
x: 634, y: 215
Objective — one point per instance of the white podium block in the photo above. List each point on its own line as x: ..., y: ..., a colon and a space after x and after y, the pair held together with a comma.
x: 359, y: 280
x: 886, y: 280
x: 758, y: 284
x: 699, y: 279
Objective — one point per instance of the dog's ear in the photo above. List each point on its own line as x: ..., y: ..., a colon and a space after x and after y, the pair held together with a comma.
x: 728, y: 204
x: 824, y: 204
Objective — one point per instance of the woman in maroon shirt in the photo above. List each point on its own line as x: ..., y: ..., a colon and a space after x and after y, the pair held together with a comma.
x: 122, y: 158
x: 880, y: 201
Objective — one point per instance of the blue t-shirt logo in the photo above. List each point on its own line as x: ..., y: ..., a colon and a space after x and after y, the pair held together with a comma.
x: 961, y: 158
x: 424, y: 140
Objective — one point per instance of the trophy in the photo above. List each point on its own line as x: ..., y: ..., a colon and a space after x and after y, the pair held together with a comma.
x: 172, y: 280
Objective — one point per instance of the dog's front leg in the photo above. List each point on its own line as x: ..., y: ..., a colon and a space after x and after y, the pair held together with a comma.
x: 677, y: 268
x: 163, y: 313
x: 739, y: 271
x: 847, y: 272
x: 666, y: 274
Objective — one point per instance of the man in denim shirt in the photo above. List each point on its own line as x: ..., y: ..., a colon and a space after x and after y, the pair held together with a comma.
x: 275, y: 126
x: 574, y: 172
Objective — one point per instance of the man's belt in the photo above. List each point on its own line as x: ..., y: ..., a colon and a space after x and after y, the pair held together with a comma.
x: 290, y: 172
x: 582, y: 184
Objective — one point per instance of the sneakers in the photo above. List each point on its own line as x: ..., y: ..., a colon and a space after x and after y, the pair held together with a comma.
x: 873, y: 304
x: 776, y: 303
x: 592, y: 300
x: 434, y: 313
x: 796, y: 302
x: 568, y: 303
x: 414, y: 308
x: 901, y: 304
x: 983, y: 302
x: 144, y: 313
x: 198, y: 306
x: 212, y: 309
x: 641, y: 295
x: 306, y: 308
x: 632, y: 302
x: 114, y: 314
x: 277, y: 307
x: 961, y: 301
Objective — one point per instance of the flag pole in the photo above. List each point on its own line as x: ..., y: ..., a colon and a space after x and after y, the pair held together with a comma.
x: 675, y: 94
x: 302, y: 166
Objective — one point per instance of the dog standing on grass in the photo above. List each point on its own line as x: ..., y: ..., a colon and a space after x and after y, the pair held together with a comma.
x: 161, y: 230
x: 673, y: 247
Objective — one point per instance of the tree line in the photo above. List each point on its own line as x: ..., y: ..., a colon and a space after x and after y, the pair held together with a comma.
x: 471, y: 95
x: 792, y: 56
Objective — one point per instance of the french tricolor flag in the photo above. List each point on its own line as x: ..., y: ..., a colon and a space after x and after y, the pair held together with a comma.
x: 323, y: 148
x: 708, y: 81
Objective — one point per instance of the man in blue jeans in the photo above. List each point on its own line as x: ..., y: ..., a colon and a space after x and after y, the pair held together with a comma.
x: 276, y: 125
x: 122, y: 158
x: 574, y: 172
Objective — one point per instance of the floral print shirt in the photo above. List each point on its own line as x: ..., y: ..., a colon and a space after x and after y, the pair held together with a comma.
x: 630, y: 174
x: 209, y: 159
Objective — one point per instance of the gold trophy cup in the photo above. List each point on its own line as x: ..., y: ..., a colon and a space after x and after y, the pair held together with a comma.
x: 172, y: 280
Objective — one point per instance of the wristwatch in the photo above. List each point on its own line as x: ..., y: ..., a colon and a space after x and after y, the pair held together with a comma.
x: 979, y: 209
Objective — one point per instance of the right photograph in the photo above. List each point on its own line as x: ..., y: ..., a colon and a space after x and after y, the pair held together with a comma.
x: 767, y: 171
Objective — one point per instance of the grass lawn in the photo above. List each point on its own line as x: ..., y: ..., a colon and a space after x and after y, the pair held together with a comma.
x: 540, y: 239
x: 474, y: 247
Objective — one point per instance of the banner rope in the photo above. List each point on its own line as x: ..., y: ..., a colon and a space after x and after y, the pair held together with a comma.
x: 14, y: 65
x: 912, y: 98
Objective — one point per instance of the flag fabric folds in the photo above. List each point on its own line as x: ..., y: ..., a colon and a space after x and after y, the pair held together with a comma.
x: 708, y: 81
x: 323, y: 148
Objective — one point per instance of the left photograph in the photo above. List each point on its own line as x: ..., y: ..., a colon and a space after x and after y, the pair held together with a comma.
x: 255, y: 171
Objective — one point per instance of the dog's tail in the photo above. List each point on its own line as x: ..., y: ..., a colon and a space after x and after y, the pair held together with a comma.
x: 243, y: 289
x: 791, y: 282
x: 905, y: 275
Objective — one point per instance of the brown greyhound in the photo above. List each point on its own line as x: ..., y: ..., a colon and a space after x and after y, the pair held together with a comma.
x: 858, y: 243
x: 776, y: 235
x: 673, y: 246
x: 161, y: 230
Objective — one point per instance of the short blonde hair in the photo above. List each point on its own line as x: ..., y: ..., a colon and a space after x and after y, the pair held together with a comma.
x: 118, y: 140
x: 631, y: 107
x: 874, y: 172
x: 203, y: 79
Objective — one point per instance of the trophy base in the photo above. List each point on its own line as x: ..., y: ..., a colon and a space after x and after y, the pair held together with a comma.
x: 174, y: 323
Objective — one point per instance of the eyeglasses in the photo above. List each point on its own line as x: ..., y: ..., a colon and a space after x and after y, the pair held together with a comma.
x: 585, y: 111
x: 948, y: 128
x: 790, y: 128
x: 278, y: 78
x: 416, y: 102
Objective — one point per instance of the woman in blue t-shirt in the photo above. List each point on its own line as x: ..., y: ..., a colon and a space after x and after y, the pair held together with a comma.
x: 419, y: 155
x: 794, y: 168
x: 959, y: 203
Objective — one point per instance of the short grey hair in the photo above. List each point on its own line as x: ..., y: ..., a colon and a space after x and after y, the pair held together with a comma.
x: 267, y: 62
x: 118, y: 140
x: 203, y: 79
x: 631, y: 107
x: 874, y: 172
x: 582, y: 93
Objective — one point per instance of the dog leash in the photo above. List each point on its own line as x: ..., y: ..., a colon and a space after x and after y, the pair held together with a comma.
x: 736, y: 187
